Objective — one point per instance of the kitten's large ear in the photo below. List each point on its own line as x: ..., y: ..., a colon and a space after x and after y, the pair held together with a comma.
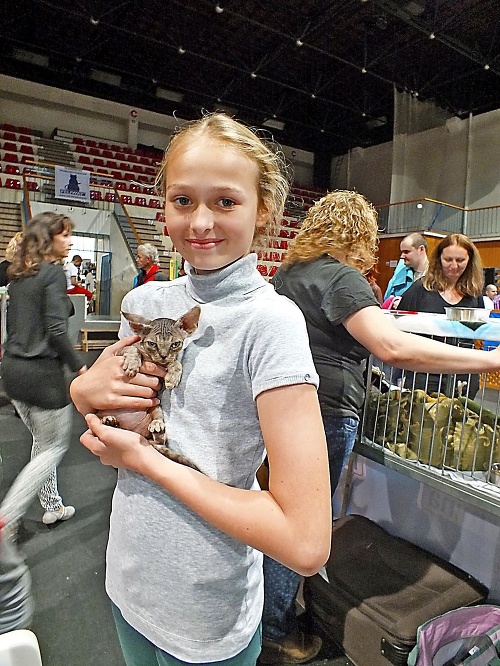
x: 140, y: 325
x: 189, y: 321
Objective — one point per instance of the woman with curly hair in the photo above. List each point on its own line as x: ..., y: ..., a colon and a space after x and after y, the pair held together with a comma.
x: 323, y: 273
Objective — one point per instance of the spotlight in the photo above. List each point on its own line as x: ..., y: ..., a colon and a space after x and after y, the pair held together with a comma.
x: 313, y: 96
x: 94, y: 21
x: 299, y: 42
x: 486, y: 66
x: 219, y: 9
x: 363, y: 70
x: 181, y: 50
x: 420, y: 205
x: 253, y: 75
x: 432, y: 36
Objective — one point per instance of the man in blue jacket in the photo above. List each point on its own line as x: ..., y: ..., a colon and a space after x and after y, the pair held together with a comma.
x: 411, y: 266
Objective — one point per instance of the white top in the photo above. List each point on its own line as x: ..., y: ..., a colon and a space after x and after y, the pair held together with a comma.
x: 192, y: 590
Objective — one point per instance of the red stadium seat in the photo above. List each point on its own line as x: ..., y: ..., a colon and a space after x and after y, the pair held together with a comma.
x: 10, y: 146
x: 24, y: 138
x: 80, y: 149
x: 111, y: 164
x: 140, y: 201
x: 150, y: 171
x: 107, y: 154
x: 116, y: 148
x: 110, y: 196
x: 32, y: 186
x: 262, y: 269
x: 160, y: 217
x: 129, y: 176
x: 9, y: 136
x: 126, y: 199
x: 273, y: 271
x: 91, y: 142
x: 94, y: 151
x: 13, y: 184
x: 10, y: 157
x: 78, y: 140
x: 135, y: 188
x: 103, y: 145
x: 117, y: 175
x: 84, y: 159
x: 27, y: 159
x: 27, y: 150
x: 120, y: 185
x: 155, y: 203
x: 98, y: 162
x: 12, y: 169
x: 136, y: 168
x: 96, y: 195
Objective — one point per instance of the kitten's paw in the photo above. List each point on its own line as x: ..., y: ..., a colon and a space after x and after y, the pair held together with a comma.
x: 173, y: 376
x: 158, y: 431
x: 110, y: 421
x: 132, y: 361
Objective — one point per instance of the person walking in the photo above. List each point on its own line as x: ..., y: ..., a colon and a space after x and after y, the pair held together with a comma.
x: 35, y: 354
x: 73, y: 277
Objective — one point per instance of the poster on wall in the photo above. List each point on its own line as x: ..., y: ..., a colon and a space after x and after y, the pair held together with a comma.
x: 72, y: 184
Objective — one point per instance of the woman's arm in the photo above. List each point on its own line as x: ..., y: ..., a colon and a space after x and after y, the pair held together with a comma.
x: 292, y: 521
x: 377, y: 333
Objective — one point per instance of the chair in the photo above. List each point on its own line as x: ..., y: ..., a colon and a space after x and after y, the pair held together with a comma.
x: 129, y: 176
x: 27, y: 159
x: 79, y: 148
x: 10, y: 157
x: 111, y: 164
x: 155, y: 203
x: 98, y: 162
x: 91, y: 142
x: 135, y: 188
x: 273, y: 271
x: 116, y: 148
x: 20, y: 648
x: 9, y: 136
x: 107, y: 154
x: 126, y: 199
x: 120, y: 156
x: 136, y: 168
x: 96, y: 195
x: 110, y: 196
x: 150, y: 171
x: 84, y: 159
x: 262, y: 269
x: 120, y: 185
x: 133, y: 159
x: 79, y: 140
x: 13, y: 169
x: 10, y: 146
x: 92, y: 150
x: 13, y: 184
x: 27, y: 150
x: 32, y: 186
x: 24, y: 138
x: 140, y: 201
x: 160, y: 217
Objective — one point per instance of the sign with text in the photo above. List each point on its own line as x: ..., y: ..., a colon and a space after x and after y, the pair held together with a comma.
x: 72, y: 184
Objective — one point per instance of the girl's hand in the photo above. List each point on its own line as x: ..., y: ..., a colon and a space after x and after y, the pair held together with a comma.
x: 119, y: 448
x: 105, y: 386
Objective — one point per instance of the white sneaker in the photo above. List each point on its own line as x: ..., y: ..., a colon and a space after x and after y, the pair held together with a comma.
x: 64, y: 513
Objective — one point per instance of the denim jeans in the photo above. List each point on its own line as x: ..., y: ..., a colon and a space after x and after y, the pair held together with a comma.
x: 280, y: 583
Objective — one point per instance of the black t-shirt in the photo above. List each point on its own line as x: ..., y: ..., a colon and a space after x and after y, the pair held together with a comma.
x: 328, y: 292
x: 417, y: 298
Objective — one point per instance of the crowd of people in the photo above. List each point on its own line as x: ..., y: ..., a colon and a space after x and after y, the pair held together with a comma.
x: 204, y: 565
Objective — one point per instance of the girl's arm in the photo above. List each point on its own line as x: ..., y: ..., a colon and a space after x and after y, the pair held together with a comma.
x: 292, y: 521
x: 107, y: 381
x: 374, y: 331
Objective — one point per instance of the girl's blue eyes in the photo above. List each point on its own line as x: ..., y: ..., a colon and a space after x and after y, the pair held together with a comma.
x: 186, y: 201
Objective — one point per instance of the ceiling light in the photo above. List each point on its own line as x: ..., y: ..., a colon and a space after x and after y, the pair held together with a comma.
x: 219, y: 9
x: 94, y: 21
x: 486, y: 66
x: 29, y: 56
x: 363, y: 70
x: 275, y: 124
x: 171, y: 95
x: 420, y: 205
x: 181, y: 50
x: 253, y: 75
x: 299, y: 42
x: 432, y: 36
x: 313, y: 96
x: 105, y: 77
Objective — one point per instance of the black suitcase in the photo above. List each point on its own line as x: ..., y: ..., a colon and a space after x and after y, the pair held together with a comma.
x: 381, y: 589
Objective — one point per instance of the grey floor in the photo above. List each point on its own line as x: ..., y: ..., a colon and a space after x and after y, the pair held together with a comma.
x: 73, y: 621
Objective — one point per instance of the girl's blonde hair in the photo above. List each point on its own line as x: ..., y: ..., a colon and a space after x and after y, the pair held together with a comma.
x: 471, y: 281
x: 36, y: 245
x: 274, y: 175
x: 342, y: 224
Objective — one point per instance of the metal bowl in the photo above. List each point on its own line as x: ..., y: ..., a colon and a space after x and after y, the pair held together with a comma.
x: 468, y: 314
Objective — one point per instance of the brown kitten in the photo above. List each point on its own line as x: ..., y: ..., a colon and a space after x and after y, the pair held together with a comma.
x: 161, y: 341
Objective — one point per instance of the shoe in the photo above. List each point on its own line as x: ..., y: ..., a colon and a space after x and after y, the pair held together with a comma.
x: 296, y: 648
x: 64, y: 513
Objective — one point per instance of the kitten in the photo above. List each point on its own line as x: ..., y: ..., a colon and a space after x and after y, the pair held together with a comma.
x: 161, y: 341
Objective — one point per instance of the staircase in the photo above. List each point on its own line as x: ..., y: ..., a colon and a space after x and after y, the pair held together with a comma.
x: 57, y: 153
x: 10, y: 224
x: 149, y: 232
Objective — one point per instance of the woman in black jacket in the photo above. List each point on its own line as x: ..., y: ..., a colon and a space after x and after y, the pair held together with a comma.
x: 35, y: 353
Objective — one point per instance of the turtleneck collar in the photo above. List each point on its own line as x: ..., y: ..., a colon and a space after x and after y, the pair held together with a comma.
x: 239, y: 278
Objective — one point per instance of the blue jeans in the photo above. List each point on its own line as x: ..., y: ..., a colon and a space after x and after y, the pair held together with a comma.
x: 280, y: 583
x: 139, y: 651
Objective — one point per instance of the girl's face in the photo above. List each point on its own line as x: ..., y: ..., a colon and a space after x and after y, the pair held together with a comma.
x: 61, y: 244
x: 211, y: 203
x: 454, y: 260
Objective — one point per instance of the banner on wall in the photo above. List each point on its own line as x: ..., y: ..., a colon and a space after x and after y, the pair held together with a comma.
x: 72, y: 184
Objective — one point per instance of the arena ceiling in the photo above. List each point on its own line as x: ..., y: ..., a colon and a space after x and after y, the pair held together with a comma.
x: 319, y: 74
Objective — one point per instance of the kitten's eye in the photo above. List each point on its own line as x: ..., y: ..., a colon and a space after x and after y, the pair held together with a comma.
x: 151, y: 345
x: 175, y: 346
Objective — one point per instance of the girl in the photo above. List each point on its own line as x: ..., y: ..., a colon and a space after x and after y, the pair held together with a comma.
x: 36, y: 350
x: 184, y: 567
